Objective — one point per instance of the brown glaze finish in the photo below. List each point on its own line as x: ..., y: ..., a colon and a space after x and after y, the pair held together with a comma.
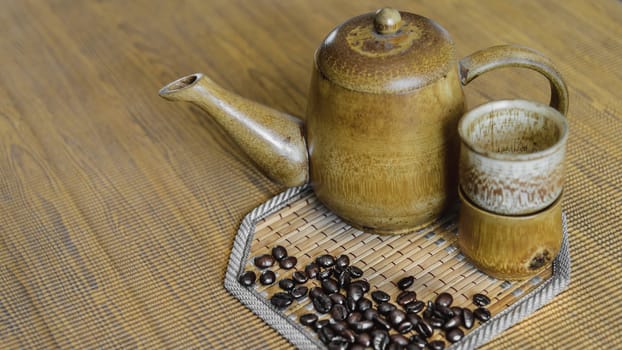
x: 384, y: 162
x: 387, y: 21
x: 355, y: 56
x: 272, y: 139
x: 509, y: 247
x: 516, y: 56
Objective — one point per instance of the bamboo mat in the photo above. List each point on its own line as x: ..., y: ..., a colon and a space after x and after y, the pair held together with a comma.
x: 296, y: 220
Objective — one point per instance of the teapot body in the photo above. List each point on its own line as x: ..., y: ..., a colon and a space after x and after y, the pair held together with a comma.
x: 385, y: 162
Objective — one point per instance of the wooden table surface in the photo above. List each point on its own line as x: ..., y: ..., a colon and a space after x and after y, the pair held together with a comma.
x: 118, y: 209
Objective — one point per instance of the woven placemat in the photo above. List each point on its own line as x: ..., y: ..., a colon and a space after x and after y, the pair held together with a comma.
x: 296, y: 220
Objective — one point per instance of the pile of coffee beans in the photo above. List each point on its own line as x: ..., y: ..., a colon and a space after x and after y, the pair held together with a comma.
x: 357, y: 318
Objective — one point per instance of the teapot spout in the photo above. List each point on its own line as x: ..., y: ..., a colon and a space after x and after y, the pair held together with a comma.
x: 272, y: 139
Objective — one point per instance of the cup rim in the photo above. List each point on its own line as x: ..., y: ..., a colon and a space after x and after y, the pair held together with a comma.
x: 465, y: 200
x: 516, y: 104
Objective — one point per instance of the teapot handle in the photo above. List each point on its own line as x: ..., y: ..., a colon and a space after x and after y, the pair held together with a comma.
x: 503, y: 56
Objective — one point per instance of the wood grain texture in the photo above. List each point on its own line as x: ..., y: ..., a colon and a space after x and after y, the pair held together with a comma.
x: 118, y: 210
x: 509, y: 247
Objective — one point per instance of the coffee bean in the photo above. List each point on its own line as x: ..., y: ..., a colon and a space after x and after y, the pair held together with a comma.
x: 363, y: 326
x: 322, y: 303
x: 325, y: 260
x: 330, y: 286
x: 339, y: 312
x: 356, y: 272
x: 279, y: 252
x: 338, y: 343
x: 405, y: 282
x: 344, y: 279
x: 363, y: 339
x: 405, y: 327
x: 299, y: 277
x: 299, y: 292
x: 354, y: 291
x: 382, y: 323
x: 399, y: 340
x: 338, y: 298
x: 394, y: 346
x: 267, y: 277
x: 414, y: 306
x: 324, y: 274
x: 435, y: 322
x: 354, y: 317
x: 363, y: 284
x: 454, y: 335
x: 380, y: 340
x: 443, y: 312
x: 342, y: 328
x: 437, y: 314
x: 326, y: 334
x: 444, y: 299
x: 436, y: 345
x: 247, y: 278
x: 480, y: 300
x: 281, y: 300
x: 482, y: 314
x: 424, y: 328
x: 385, y: 308
x: 429, y: 310
x: 323, y: 336
x: 380, y: 297
x: 311, y: 270
x: 467, y: 318
x: 363, y: 304
x: 413, y: 318
x: 308, y: 319
x: 337, y: 270
x: 315, y: 292
x: 406, y: 297
x: 320, y: 324
x: 288, y: 262
x: 264, y: 261
x: 357, y: 347
x: 338, y: 325
x: 370, y: 314
x: 350, y: 304
x: 287, y: 284
x: 396, y: 317
x: 348, y: 335
x: 342, y: 261
x: 417, y: 341
x: 453, y: 322
x: 457, y: 310
x: 338, y: 337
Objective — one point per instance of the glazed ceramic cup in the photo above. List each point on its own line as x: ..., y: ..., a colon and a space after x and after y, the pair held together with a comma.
x: 512, y: 156
x: 509, y: 247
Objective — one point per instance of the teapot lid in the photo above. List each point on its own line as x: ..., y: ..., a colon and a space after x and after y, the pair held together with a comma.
x: 386, y: 52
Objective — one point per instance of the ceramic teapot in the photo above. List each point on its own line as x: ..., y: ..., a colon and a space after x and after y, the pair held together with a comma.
x: 379, y: 146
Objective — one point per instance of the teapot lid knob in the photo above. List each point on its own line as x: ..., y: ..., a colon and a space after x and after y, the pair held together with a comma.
x: 387, y: 21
